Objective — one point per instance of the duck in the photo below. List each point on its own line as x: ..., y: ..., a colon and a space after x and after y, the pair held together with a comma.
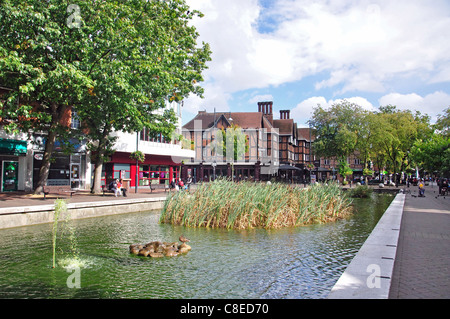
x: 173, y: 245
x: 156, y: 255
x: 156, y: 245
x: 184, y: 248
x: 183, y: 239
x: 134, y: 249
x: 145, y: 252
x: 170, y: 252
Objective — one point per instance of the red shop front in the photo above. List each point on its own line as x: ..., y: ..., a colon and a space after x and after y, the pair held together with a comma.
x: 155, y: 169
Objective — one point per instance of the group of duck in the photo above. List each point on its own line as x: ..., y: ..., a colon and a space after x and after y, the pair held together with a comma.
x: 157, y: 249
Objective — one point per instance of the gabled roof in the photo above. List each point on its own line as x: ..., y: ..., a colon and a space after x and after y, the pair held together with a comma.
x: 245, y: 120
x: 304, y: 133
x: 285, y: 126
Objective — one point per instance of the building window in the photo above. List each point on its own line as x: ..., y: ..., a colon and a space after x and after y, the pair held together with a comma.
x: 122, y: 171
x: 147, y: 136
x: 326, y: 162
x: 75, y: 123
x: 152, y: 174
x: 357, y: 161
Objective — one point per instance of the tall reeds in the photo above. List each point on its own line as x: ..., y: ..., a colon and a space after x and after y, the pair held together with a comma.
x: 225, y: 204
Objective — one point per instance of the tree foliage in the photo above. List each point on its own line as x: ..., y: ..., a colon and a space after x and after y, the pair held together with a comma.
x: 385, y: 137
x: 231, y: 143
x: 115, y: 62
x: 433, y: 155
x: 338, y: 132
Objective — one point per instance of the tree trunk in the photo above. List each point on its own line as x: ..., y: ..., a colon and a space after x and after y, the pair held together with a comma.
x: 97, y: 188
x: 99, y: 159
x: 45, y: 168
x: 58, y: 112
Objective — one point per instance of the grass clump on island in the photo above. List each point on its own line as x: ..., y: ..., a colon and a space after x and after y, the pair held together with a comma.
x: 225, y: 204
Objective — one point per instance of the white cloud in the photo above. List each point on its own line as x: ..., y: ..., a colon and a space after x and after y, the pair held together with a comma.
x: 362, y: 46
x: 303, y: 111
x: 431, y: 104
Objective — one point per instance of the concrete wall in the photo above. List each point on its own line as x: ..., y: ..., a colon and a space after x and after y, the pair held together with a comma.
x: 369, y: 274
x: 33, y: 215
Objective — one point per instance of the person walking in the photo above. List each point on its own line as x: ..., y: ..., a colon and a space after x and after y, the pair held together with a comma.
x: 189, y: 182
x: 180, y: 184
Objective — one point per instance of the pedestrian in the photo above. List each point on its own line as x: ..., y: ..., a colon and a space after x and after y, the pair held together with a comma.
x: 444, y: 186
x: 189, y: 182
x: 173, y: 184
x: 114, y: 186
x: 180, y: 184
x: 421, y: 189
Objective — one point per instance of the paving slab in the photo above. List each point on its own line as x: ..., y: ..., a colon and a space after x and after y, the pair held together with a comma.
x: 422, y: 263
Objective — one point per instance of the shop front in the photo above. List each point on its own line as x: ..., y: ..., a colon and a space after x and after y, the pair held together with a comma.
x: 155, y: 169
x: 210, y: 171
x: 64, y: 169
x: 11, y: 152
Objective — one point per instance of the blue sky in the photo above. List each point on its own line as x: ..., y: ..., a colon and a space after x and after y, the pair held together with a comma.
x: 300, y: 53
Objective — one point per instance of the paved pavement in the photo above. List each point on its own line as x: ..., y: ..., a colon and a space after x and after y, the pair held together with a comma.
x: 18, y: 199
x: 422, y: 264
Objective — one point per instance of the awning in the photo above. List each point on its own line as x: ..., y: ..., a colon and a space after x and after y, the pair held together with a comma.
x: 13, y: 147
x: 289, y: 168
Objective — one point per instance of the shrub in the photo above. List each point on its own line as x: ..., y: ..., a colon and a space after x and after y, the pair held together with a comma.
x: 362, y: 191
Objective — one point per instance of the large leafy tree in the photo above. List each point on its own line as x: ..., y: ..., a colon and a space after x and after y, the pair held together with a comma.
x: 395, y: 134
x: 116, y: 62
x: 231, y: 143
x: 339, y: 130
x: 443, y: 123
x: 385, y: 137
x: 432, y: 153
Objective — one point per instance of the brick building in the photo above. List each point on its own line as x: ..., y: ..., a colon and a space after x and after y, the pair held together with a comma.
x: 277, y: 148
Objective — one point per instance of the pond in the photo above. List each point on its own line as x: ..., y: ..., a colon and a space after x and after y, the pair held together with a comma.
x: 303, y: 262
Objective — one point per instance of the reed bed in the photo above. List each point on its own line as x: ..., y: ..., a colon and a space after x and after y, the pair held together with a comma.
x: 225, y: 204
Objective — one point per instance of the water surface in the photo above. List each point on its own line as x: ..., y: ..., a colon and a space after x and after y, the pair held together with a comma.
x: 303, y: 262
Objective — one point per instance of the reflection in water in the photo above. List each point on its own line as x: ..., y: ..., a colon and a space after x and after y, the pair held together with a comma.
x: 302, y: 262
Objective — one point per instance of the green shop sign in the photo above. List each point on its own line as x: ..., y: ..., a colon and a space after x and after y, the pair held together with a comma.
x: 13, y: 147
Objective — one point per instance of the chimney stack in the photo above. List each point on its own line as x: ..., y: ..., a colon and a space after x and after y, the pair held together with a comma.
x: 266, y: 108
x: 285, y: 115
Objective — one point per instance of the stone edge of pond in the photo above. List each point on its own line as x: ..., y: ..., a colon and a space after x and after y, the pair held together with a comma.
x: 12, y: 217
x: 369, y: 274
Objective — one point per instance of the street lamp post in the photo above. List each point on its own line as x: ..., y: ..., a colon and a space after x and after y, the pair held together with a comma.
x: 137, y: 164
x: 214, y: 164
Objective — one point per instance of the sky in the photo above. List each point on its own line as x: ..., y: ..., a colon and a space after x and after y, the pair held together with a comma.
x: 301, y: 53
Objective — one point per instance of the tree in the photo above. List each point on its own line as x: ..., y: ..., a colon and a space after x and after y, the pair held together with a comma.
x: 433, y: 154
x: 231, y: 143
x: 443, y: 123
x: 394, y: 135
x: 116, y: 62
x: 344, y: 170
x: 42, y: 84
x: 338, y: 131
